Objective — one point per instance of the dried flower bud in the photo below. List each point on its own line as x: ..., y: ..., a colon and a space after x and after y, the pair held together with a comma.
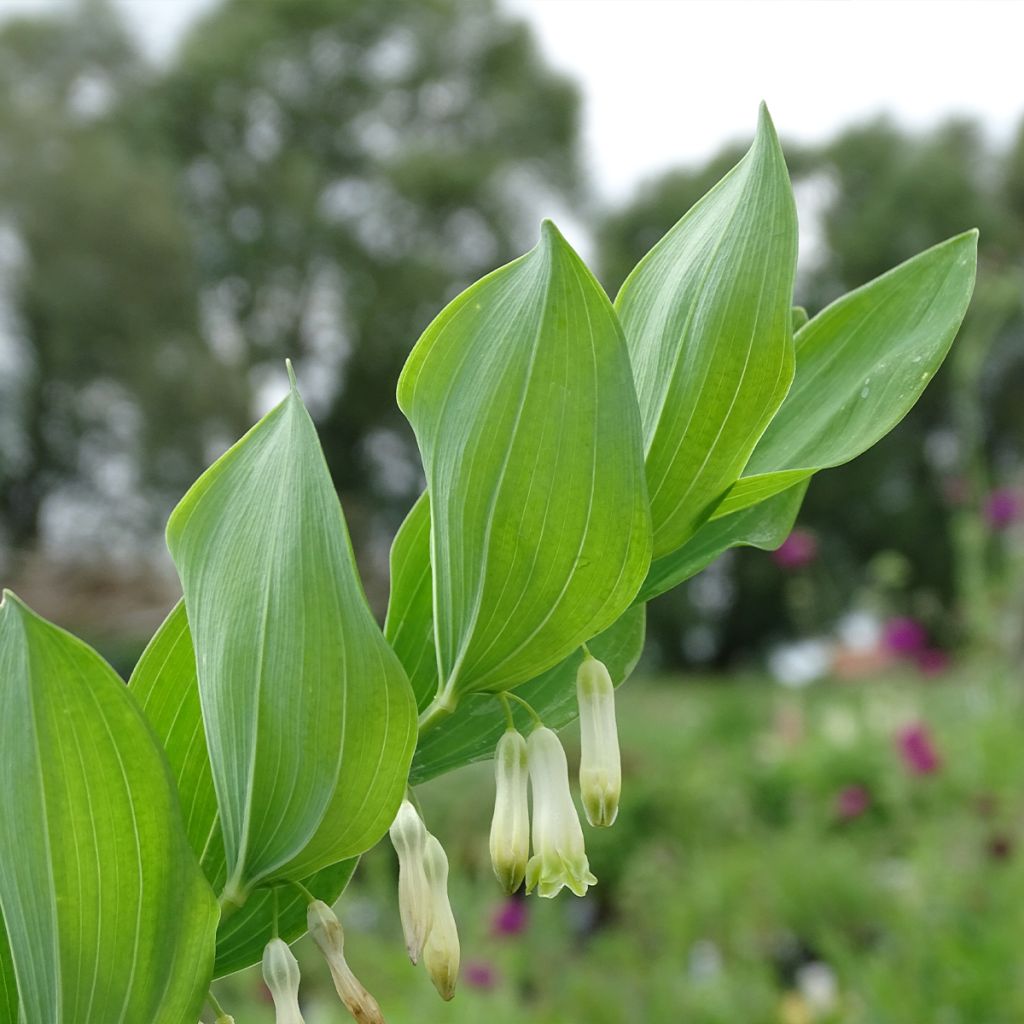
x: 600, y: 768
x: 441, y: 953
x: 327, y: 933
x: 510, y: 826
x: 281, y: 973
x: 559, y: 857
x: 408, y: 836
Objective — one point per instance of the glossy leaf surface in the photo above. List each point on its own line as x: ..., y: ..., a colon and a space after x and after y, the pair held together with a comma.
x: 521, y: 398
x: 164, y: 683
x: 108, y: 916
x: 707, y: 318
x: 764, y: 526
x: 861, y: 364
x: 309, y: 719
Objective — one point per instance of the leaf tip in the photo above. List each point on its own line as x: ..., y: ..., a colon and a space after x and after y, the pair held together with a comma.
x: 291, y: 375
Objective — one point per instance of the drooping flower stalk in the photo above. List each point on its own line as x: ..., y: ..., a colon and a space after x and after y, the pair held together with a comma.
x: 328, y: 934
x: 559, y: 855
x: 408, y: 836
x: 281, y: 973
x: 510, y: 826
x: 441, y: 952
x: 600, y: 766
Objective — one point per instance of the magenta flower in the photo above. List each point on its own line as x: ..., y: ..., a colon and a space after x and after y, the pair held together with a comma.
x: 918, y: 750
x: 510, y: 918
x: 932, y: 661
x: 479, y: 974
x: 1003, y: 508
x: 904, y: 636
x: 800, y: 548
x: 852, y: 802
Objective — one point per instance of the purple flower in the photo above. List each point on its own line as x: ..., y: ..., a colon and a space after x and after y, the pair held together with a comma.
x: 918, y: 750
x: 800, y: 548
x: 852, y: 802
x: 510, y: 918
x: 478, y: 974
x: 932, y: 661
x: 1003, y: 508
x: 904, y: 636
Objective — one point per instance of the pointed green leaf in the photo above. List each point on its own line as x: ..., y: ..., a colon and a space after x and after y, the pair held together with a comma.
x: 522, y: 402
x: 706, y: 315
x: 107, y: 913
x: 309, y: 718
x: 472, y: 731
x: 165, y: 685
x: 763, y: 526
x: 8, y: 986
x: 861, y: 364
x: 409, y: 626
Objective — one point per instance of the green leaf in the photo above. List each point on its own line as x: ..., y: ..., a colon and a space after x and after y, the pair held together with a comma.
x: 409, y: 626
x: 165, y: 685
x: 706, y: 314
x: 309, y: 718
x: 108, y: 915
x: 472, y: 731
x: 521, y: 398
x: 861, y: 364
x: 763, y: 526
x: 8, y: 986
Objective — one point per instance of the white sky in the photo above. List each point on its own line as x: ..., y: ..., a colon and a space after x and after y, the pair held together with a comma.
x: 668, y: 81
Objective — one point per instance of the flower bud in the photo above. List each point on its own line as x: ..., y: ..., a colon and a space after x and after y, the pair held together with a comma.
x: 441, y: 953
x: 327, y: 933
x: 408, y: 836
x: 510, y: 826
x: 559, y: 857
x: 600, y: 769
x: 281, y: 973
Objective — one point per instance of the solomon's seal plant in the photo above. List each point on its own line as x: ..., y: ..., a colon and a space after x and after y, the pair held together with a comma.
x: 580, y: 457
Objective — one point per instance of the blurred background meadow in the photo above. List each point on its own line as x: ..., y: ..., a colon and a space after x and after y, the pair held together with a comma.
x: 823, y: 747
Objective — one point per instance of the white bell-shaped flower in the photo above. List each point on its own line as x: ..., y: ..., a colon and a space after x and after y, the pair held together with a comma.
x: 559, y: 856
x: 600, y: 767
x: 409, y: 836
x: 281, y: 973
x: 441, y: 953
x: 328, y: 934
x: 510, y: 826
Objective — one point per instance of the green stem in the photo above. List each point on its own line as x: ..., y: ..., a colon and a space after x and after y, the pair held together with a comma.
x: 537, y: 720
x: 503, y: 697
x: 440, y: 708
x: 215, y: 1005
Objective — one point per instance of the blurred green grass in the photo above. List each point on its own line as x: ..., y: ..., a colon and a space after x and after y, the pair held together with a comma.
x: 732, y: 868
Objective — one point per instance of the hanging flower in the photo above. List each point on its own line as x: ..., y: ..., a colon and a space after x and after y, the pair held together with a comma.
x: 600, y: 767
x: 510, y: 826
x: 281, y: 974
x: 441, y: 953
x: 327, y: 933
x: 559, y: 857
x: 409, y: 836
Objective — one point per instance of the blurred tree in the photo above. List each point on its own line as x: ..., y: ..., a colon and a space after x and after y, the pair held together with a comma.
x: 877, y: 195
x: 349, y: 167
x: 103, y: 394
